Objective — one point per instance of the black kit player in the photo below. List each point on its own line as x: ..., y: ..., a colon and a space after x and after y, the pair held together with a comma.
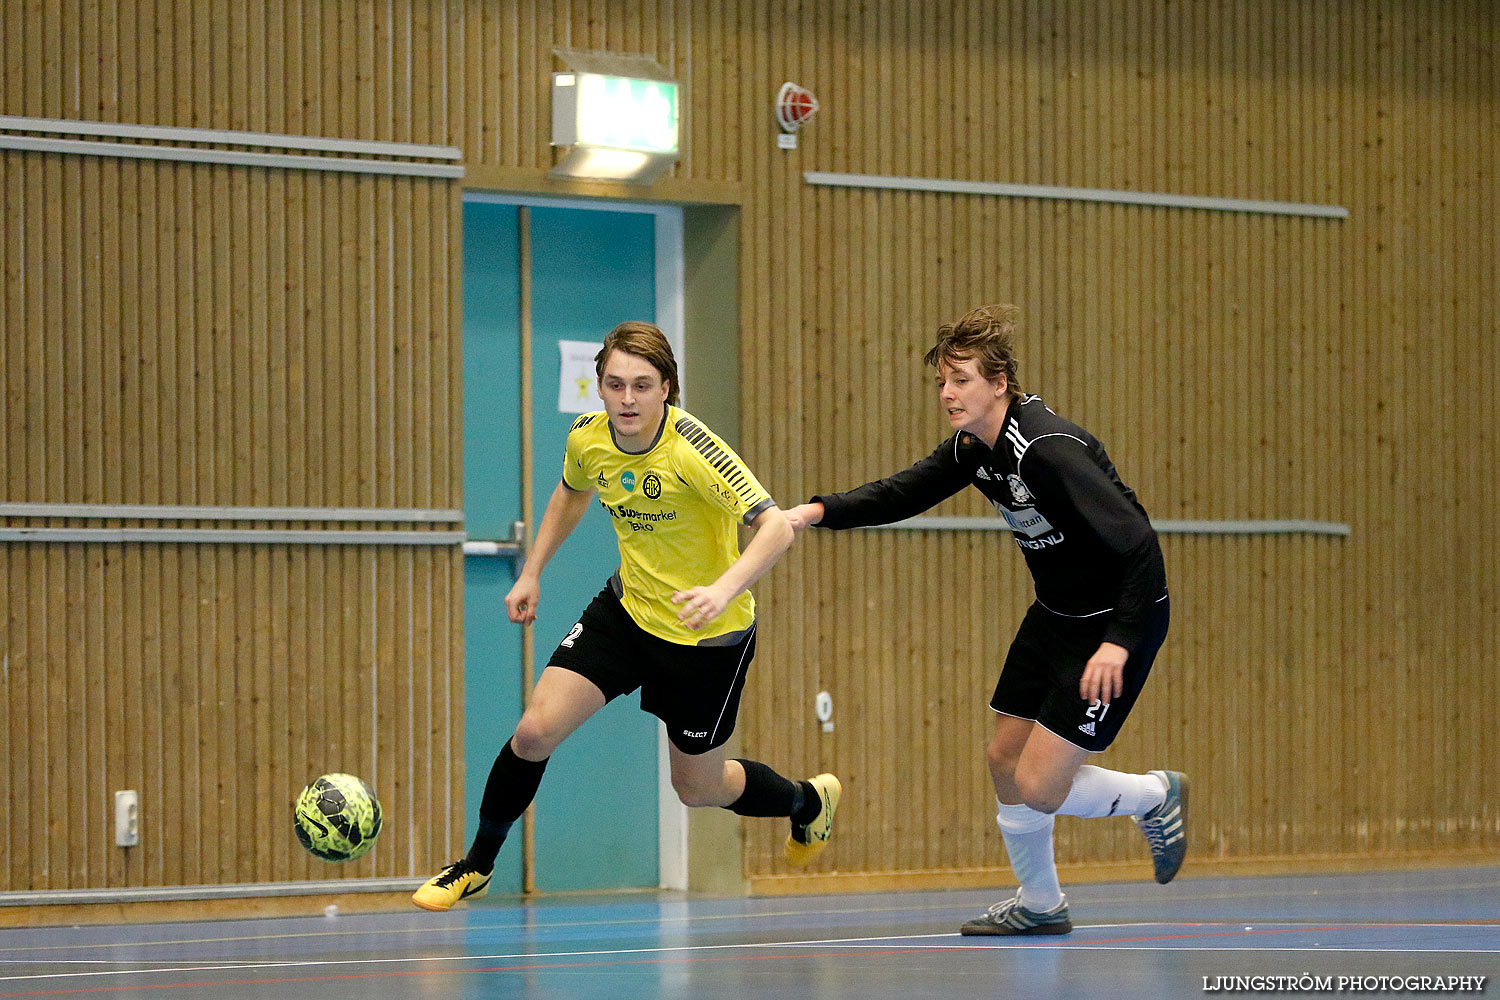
x: 1083, y: 651
x: 676, y: 620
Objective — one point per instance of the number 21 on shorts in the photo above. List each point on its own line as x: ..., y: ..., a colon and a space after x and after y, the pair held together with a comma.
x: 1095, y: 713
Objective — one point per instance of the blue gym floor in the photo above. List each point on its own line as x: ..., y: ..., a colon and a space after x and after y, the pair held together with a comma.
x: 1131, y: 940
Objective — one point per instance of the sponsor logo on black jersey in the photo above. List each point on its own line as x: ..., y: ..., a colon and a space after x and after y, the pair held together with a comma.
x: 1031, y: 529
x: 1018, y: 491
x: 1028, y: 522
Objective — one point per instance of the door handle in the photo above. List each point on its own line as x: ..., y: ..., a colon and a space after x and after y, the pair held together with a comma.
x: 513, y: 547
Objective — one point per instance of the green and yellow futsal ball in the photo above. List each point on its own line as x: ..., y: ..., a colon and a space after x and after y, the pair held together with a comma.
x: 337, y: 817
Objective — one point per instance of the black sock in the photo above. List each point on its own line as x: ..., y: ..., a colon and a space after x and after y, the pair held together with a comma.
x: 809, y: 804
x: 766, y: 792
x: 511, y: 786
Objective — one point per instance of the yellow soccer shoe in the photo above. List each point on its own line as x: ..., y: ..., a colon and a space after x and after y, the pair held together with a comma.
x: 459, y: 881
x: 805, y: 843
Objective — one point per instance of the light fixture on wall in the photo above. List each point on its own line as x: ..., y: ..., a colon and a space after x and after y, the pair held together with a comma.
x: 618, y: 114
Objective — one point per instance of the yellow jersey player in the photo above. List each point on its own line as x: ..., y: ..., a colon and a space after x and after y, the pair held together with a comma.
x: 677, y: 619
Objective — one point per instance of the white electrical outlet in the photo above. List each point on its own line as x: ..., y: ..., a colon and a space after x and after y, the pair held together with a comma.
x: 127, y: 819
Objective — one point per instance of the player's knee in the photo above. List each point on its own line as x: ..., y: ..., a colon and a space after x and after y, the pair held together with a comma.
x: 533, y: 739
x: 1039, y: 793
x: 1001, y: 757
x: 695, y: 790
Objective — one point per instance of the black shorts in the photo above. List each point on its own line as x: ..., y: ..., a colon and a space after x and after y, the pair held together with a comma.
x: 695, y: 690
x: 1046, y: 660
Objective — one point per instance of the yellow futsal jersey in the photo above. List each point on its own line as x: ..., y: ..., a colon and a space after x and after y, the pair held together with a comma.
x: 675, y: 507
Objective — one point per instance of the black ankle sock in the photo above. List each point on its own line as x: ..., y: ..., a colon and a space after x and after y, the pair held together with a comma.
x: 766, y: 792
x: 487, y: 842
x: 511, y: 786
x: 809, y: 804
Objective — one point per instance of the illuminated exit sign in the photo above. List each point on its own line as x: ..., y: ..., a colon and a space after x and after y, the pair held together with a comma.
x: 614, y: 112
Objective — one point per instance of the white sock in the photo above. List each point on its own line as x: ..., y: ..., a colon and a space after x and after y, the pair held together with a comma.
x: 1099, y: 792
x: 1028, y: 841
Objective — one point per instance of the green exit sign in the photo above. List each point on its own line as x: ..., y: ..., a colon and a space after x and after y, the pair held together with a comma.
x: 617, y: 112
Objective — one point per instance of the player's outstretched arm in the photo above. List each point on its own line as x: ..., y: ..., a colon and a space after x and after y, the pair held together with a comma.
x: 805, y: 515
x: 898, y: 496
x: 565, y: 508
x: 773, y: 535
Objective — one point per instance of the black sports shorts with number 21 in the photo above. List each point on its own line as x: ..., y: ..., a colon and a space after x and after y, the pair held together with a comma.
x: 1045, y: 664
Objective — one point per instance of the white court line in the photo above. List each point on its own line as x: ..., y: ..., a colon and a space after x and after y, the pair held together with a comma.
x: 1322, y: 893
x: 534, y: 926
x: 522, y: 923
x: 1085, y: 946
x: 346, y: 934
x: 99, y: 961
x: 331, y: 963
x: 544, y: 957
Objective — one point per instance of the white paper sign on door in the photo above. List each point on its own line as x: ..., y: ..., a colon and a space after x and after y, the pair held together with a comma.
x: 576, y: 390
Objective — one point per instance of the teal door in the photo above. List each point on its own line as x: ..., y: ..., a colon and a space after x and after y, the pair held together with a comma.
x: 596, y: 813
x: 492, y: 501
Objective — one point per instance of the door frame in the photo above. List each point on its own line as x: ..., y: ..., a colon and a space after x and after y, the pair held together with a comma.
x: 670, y: 295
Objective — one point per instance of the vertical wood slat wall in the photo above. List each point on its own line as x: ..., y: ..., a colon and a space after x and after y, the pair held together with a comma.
x: 197, y: 334
x: 1325, y: 693
x: 1329, y: 696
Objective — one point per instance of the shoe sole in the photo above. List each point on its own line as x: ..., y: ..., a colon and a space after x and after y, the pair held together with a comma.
x: 1064, y: 928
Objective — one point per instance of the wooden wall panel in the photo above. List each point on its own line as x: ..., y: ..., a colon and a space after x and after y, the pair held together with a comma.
x: 216, y: 335
x: 1239, y: 366
x: 192, y: 721
x: 1330, y: 696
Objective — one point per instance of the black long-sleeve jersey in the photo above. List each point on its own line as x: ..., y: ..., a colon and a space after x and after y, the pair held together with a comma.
x: 1087, y: 540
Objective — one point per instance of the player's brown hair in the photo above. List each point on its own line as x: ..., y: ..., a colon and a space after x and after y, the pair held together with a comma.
x: 644, y: 341
x: 987, y: 334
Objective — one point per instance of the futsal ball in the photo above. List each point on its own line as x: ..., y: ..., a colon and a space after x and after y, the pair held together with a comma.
x: 337, y: 817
